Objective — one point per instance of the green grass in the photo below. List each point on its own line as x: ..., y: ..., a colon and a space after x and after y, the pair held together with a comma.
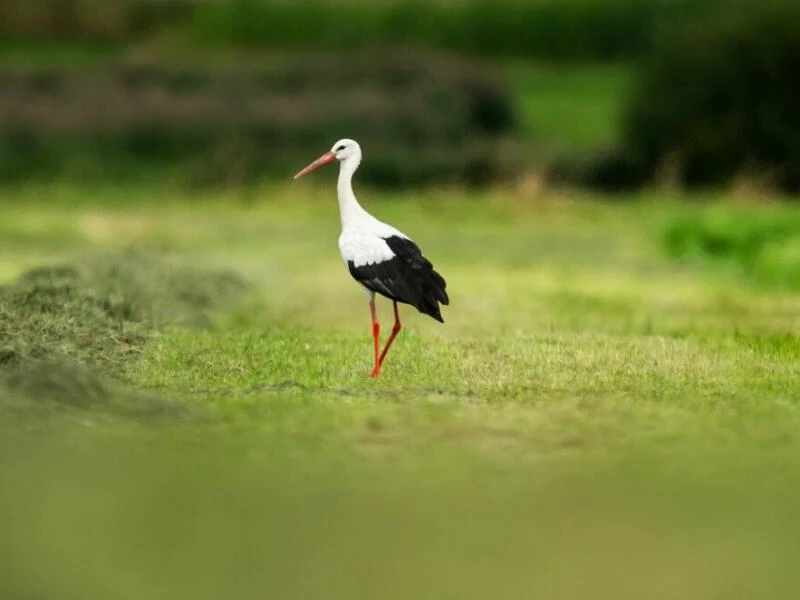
x: 761, y: 244
x: 561, y: 310
x: 569, y: 108
x: 591, y: 419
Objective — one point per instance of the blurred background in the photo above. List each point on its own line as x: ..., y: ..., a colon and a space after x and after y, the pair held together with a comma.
x: 608, y: 94
x: 610, y: 187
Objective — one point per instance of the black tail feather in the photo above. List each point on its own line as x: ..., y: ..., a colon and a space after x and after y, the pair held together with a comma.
x: 408, y: 277
x: 433, y: 292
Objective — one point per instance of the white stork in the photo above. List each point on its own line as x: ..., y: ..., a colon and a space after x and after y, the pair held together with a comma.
x: 381, y: 258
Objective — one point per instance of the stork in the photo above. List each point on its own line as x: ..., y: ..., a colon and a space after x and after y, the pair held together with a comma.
x: 379, y: 257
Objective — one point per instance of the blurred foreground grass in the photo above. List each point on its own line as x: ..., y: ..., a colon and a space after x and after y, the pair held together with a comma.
x: 592, y: 419
x: 122, y: 521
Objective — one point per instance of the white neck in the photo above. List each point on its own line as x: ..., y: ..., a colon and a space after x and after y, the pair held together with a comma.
x: 349, y: 208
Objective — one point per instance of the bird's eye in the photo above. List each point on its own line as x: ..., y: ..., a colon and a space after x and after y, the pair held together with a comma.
x: 340, y: 148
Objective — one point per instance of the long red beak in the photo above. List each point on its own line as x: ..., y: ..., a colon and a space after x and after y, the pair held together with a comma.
x: 323, y: 160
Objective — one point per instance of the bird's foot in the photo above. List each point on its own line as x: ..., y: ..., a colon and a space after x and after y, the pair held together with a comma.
x: 375, y: 372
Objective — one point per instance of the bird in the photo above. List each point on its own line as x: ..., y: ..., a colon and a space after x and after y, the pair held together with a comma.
x: 381, y: 258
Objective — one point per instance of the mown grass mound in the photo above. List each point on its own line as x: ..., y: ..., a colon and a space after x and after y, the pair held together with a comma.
x: 68, y: 332
x: 52, y: 388
x: 420, y: 117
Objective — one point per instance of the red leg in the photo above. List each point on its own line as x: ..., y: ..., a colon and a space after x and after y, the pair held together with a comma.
x: 376, y: 331
x: 395, y: 331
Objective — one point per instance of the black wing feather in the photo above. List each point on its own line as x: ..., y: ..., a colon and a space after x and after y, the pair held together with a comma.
x: 408, y: 277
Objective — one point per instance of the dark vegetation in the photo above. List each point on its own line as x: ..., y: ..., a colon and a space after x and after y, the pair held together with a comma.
x: 419, y: 117
x: 544, y: 29
x: 550, y: 29
x: 714, y: 97
x: 718, y: 98
x: 68, y: 333
x: 712, y: 102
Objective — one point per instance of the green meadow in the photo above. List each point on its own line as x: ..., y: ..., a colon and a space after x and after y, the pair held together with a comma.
x: 596, y: 416
x: 610, y: 409
x: 569, y: 108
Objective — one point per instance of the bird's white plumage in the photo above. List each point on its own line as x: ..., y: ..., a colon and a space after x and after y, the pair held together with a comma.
x: 362, y: 248
x: 365, y: 244
x: 362, y: 239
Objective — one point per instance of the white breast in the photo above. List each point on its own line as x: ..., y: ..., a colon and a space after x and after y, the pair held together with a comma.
x: 363, y: 248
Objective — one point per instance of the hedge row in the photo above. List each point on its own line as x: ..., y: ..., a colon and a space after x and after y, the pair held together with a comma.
x: 553, y: 29
x: 89, y: 20
x: 716, y: 100
x: 720, y: 98
x: 420, y: 118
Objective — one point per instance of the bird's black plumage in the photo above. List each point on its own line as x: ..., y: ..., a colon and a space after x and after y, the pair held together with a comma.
x: 408, y: 277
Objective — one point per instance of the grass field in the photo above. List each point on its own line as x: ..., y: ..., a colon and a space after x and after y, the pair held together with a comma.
x: 569, y: 108
x: 591, y: 418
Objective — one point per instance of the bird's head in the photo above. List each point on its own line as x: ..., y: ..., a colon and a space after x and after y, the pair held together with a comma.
x: 345, y: 150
